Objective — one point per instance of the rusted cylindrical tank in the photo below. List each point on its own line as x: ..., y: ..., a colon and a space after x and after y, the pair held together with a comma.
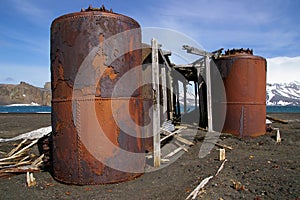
x: 90, y: 51
x: 244, y: 76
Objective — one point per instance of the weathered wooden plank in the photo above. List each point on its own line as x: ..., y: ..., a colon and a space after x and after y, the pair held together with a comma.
x: 171, y: 134
x: 156, y: 106
x: 209, y: 100
x: 164, y: 91
x: 277, y: 120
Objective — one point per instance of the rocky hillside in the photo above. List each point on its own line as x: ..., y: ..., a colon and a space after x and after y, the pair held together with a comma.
x: 25, y: 93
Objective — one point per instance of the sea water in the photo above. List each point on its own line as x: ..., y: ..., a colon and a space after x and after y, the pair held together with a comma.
x: 47, y: 109
x: 283, y: 109
x: 25, y: 109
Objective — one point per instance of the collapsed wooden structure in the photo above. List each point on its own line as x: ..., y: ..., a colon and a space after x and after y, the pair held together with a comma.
x: 229, y: 92
x: 166, y: 78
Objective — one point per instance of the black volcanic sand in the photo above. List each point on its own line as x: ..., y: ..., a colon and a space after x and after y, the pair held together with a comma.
x: 266, y: 170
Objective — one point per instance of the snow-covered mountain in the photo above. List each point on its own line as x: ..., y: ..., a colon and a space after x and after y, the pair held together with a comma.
x: 283, y: 93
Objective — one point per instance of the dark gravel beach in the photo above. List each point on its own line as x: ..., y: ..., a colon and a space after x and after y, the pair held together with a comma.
x: 262, y: 168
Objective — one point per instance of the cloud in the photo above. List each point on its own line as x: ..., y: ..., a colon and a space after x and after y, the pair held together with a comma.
x: 264, y: 25
x: 283, y: 69
x: 215, y: 12
x: 31, y: 11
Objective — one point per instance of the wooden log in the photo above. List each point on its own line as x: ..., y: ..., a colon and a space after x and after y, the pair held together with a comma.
x: 171, y: 134
x: 7, y: 163
x: 26, y: 147
x: 185, y: 141
x: 224, y: 146
x: 221, y: 167
x: 38, y: 161
x: 20, y: 152
x: 183, y: 146
x: 277, y: 120
x: 21, y: 169
x: 17, y: 148
x: 174, y: 152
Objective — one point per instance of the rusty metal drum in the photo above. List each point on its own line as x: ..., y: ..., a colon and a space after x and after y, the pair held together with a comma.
x: 90, y: 51
x: 244, y: 76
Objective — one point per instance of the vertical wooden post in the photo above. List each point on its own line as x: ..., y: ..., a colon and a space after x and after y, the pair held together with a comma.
x: 164, y: 91
x: 202, y: 98
x: 209, y: 102
x: 184, y: 96
x: 196, y: 94
x: 178, y: 110
x: 171, y: 94
x: 156, y: 105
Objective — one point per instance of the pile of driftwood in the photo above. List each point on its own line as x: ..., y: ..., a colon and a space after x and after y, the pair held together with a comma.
x: 20, y: 159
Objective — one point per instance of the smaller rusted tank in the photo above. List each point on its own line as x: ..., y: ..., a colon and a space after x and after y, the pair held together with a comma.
x: 244, y: 76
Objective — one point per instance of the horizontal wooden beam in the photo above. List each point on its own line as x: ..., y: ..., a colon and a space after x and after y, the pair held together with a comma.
x: 196, y: 51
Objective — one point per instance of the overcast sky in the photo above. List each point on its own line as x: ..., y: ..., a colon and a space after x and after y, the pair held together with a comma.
x: 270, y: 27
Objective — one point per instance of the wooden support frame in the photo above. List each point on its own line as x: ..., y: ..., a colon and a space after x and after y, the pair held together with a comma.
x: 207, y: 58
x: 156, y: 105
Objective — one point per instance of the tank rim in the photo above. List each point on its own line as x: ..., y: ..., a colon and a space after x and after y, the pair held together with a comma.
x: 93, y: 14
x: 240, y: 56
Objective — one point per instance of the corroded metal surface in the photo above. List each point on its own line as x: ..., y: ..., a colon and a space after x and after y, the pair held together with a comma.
x: 244, y: 78
x: 86, y: 136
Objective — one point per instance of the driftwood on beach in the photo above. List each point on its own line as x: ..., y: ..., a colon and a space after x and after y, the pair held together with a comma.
x: 20, y: 159
x: 35, y: 134
x: 277, y: 119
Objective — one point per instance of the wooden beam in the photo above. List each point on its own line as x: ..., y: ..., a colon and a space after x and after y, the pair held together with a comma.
x: 171, y: 133
x: 156, y: 106
x: 171, y: 111
x: 277, y: 120
x: 163, y: 57
x: 196, y: 94
x: 187, y: 66
x: 193, y: 50
x: 184, y: 97
x: 164, y: 92
x: 209, y: 100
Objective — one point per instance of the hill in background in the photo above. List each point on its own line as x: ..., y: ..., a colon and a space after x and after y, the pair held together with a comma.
x: 25, y: 93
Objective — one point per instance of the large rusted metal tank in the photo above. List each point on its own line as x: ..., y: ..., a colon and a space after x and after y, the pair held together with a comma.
x: 244, y: 76
x: 96, y: 134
